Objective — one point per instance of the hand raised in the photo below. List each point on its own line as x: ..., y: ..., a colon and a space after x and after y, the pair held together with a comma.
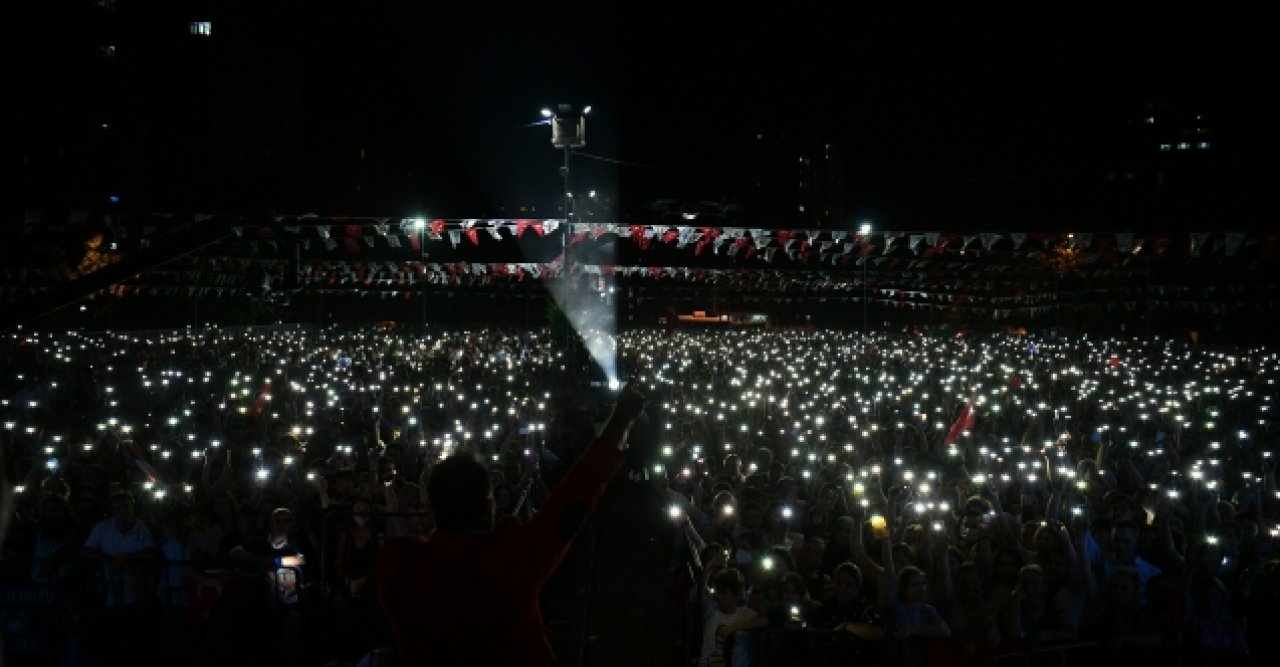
x: 630, y: 402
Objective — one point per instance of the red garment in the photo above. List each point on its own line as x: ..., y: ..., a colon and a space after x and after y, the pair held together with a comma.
x: 963, y: 423
x: 472, y: 598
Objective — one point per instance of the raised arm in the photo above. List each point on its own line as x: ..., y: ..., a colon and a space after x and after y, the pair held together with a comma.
x: 858, y: 550
x: 548, y: 534
x: 888, y: 580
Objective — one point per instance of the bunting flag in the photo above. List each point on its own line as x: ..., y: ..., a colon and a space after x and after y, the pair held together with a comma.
x: 132, y: 454
x: 812, y: 259
x: 1267, y: 247
x: 1233, y: 242
x: 964, y: 422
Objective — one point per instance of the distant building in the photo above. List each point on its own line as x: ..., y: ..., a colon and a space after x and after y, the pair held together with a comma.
x: 798, y: 177
x: 1164, y: 159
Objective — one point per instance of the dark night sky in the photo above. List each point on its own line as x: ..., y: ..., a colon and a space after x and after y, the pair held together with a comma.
x: 972, y: 115
x: 963, y: 115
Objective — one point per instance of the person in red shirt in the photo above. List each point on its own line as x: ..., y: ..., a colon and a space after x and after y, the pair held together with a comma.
x: 468, y: 593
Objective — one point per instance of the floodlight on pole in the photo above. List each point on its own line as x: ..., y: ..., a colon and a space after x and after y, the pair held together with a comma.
x: 864, y: 231
x: 568, y: 131
x: 420, y: 228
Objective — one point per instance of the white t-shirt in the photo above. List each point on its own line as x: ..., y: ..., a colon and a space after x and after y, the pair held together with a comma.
x: 129, y: 585
x: 178, y: 565
x: 712, y: 648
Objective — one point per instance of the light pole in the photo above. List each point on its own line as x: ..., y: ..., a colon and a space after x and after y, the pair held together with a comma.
x: 865, y: 232
x: 568, y: 131
x: 420, y: 225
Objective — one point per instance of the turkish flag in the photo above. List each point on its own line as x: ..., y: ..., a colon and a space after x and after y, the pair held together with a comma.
x: 963, y: 423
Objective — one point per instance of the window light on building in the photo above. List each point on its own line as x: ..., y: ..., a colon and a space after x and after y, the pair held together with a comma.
x: 202, y: 28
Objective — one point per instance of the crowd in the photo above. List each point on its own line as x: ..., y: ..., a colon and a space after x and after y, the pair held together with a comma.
x: 198, y: 496
x: 916, y: 500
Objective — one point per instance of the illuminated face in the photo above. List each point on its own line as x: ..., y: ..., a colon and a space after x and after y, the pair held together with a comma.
x: 1006, y: 567
x: 1045, y: 540
x: 1122, y: 511
x: 725, y: 601
x: 969, y: 585
x: 846, y: 586
x: 1217, y: 601
x: 916, y: 589
x: 1124, y: 541
x: 791, y: 596
x: 52, y: 512
x: 281, y: 522
x: 1054, y: 564
x: 1033, y: 584
x: 502, y: 497
x: 1122, y: 591
x: 122, y: 511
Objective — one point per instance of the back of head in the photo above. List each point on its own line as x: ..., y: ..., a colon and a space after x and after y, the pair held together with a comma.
x: 729, y: 580
x: 460, y: 494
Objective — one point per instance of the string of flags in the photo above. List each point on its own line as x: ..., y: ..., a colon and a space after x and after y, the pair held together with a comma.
x: 355, y: 232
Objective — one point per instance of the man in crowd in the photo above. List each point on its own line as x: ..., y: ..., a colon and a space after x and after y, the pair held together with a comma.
x: 435, y: 589
x: 127, y: 551
x: 1124, y: 553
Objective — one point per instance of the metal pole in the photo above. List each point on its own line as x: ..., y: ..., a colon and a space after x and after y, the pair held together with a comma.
x: 565, y: 171
x: 564, y: 235
x: 422, y: 260
x: 865, y: 258
x: 570, y: 296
